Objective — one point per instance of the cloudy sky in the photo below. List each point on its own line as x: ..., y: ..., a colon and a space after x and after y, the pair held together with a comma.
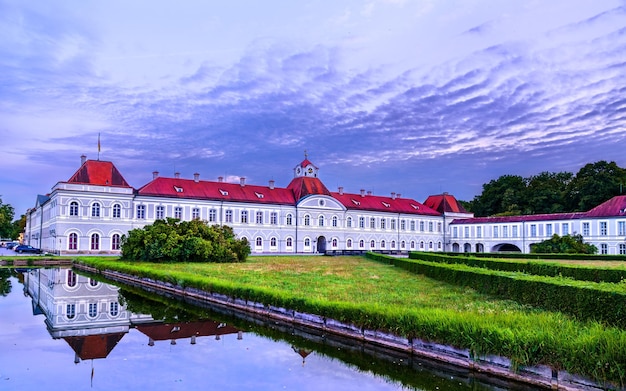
x: 415, y: 97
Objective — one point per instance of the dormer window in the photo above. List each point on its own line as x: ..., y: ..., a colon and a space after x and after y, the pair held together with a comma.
x: 178, y: 189
x: 355, y: 202
x: 258, y: 195
x: 223, y: 192
x: 386, y: 205
x: 415, y: 207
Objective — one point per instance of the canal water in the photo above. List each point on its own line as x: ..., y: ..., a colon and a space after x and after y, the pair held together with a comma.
x: 65, y: 331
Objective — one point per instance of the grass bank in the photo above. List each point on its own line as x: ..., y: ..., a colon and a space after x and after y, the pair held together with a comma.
x: 380, y: 296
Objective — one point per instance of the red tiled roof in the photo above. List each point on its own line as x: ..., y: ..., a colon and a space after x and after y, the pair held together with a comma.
x: 519, y: 219
x: 167, y: 331
x: 94, y: 346
x: 96, y: 172
x: 383, y: 204
x: 306, y: 162
x: 616, y: 206
x: 304, y: 186
x: 444, y: 203
x: 206, y: 190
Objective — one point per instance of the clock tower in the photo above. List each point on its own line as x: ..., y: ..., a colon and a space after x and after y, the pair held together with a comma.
x: 305, y: 168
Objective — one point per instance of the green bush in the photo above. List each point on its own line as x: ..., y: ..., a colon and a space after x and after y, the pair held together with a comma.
x: 172, y: 240
x: 567, y: 244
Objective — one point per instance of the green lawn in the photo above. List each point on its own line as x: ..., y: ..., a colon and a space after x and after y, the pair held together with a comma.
x: 377, y: 295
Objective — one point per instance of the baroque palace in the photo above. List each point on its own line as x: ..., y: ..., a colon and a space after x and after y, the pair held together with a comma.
x: 90, y: 212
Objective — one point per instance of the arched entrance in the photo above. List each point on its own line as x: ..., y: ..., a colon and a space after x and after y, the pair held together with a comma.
x: 480, y: 248
x: 467, y: 248
x: 506, y: 247
x: 456, y: 248
x: 321, y: 244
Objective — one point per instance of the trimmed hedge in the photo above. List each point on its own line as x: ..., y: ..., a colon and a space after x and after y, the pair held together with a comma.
x: 583, y: 300
x: 573, y: 257
x: 583, y: 273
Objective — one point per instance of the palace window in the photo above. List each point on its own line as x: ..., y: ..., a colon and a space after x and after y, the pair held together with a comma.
x: 548, y: 229
x: 622, y: 248
x: 273, y: 242
x: 274, y: 218
x: 114, y: 308
x: 73, y: 208
x: 178, y: 213
x: 361, y: 222
x: 621, y: 228
x: 95, y: 242
x: 514, y: 231
x: 334, y: 243
x: 565, y: 228
x: 259, y: 241
x: 320, y: 221
x: 533, y: 230
x: 402, y: 244
x: 289, y: 242
x: 383, y: 223
x: 228, y: 216
x: 115, y: 242
x: 430, y: 245
x: 70, y: 311
x: 603, y: 228
x: 495, y: 232
x: 349, y: 222
x: 467, y: 232
x: 382, y: 244
x: 213, y: 215
x: 93, y: 310
x: 93, y: 282
x: 393, y: 224
x: 361, y: 243
x: 72, y: 243
x: 430, y: 226
x: 160, y: 212
x: 372, y: 244
x: 402, y: 225
x: 393, y: 244
x: 71, y: 278
x: 585, y: 229
x: 335, y: 221
x: 307, y: 242
x: 505, y: 231
x: 141, y: 211
x: 195, y: 213
x: 244, y: 217
x: 349, y: 243
x: 421, y: 245
x: 455, y: 232
x: 95, y: 209
x: 412, y: 225
x: 372, y: 222
x: 422, y: 226
x: 117, y: 211
x: 259, y: 217
x: 604, y: 248
x: 289, y: 219
x: 307, y: 220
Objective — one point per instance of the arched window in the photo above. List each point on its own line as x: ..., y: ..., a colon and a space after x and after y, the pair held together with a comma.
x: 349, y: 243
x: 307, y: 220
x: 259, y: 241
x: 334, y: 243
x: 95, y: 209
x: 117, y: 211
x: 95, y: 242
x: 93, y: 282
x: 372, y: 244
x: 430, y: 245
x: 320, y: 221
x: 73, y: 208
x: 335, y: 221
x: 382, y: 244
x: 115, y: 242
x: 361, y: 243
x: 393, y: 244
x: 439, y: 246
x: 289, y: 220
x: 307, y: 242
x: 71, y: 278
x: 72, y: 242
x: 402, y: 244
x: 421, y: 245
x: 114, y: 308
x: 273, y: 242
x: 289, y: 242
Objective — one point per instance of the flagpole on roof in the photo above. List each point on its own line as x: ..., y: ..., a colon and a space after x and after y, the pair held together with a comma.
x: 98, y: 146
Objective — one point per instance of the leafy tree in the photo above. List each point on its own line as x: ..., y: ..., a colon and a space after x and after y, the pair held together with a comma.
x: 594, y: 184
x: 6, y: 218
x: 5, y: 283
x: 500, y: 196
x: 568, y: 244
x: 546, y: 193
x: 172, y: 240
x: 18, y: 226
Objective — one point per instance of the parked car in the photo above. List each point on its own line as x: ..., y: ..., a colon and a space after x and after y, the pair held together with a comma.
x: 11, y: 245
x: 25, y: 248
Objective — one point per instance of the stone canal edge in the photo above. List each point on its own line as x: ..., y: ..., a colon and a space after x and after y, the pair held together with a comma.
x: 541, y: 376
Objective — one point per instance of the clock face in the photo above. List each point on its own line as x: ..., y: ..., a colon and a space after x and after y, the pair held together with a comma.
x: 298, y: 170
x: 310, y: 170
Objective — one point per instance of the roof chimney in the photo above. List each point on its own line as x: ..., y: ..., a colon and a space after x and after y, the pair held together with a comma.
x: 398, y: 195
x: 340, y: 190
x: 369, y: 192
x: 242, y: 181
x: 393, y: 195
x: 83, y: 159
x: 220, y: 179
x: 155, y: 174
x: 177, y: 175
x: 196, y: 177
x: 272, y: 184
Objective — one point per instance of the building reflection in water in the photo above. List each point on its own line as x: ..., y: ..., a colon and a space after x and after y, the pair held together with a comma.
x: 88, y: 315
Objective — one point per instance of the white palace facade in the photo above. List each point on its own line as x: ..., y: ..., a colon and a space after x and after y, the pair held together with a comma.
x: 90, y: 212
